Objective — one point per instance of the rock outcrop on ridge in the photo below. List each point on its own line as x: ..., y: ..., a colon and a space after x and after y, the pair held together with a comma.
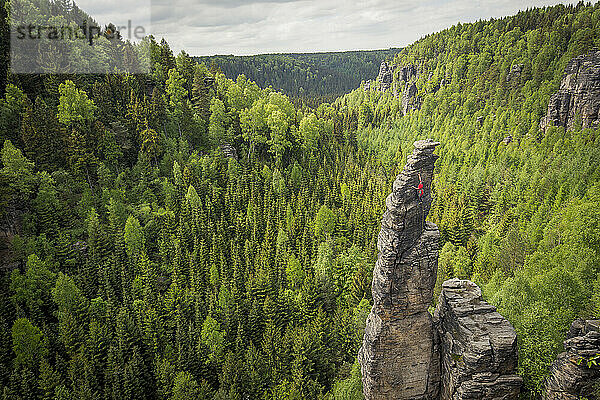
x: 406, y: 76
x: 408, y: 73
x: 398, y: 357
x: 478, y: 346
x: 573, y: 375
x: 386, y: 76
x: 515, y: 72
x: 467, y: 350
x: 578, y: 96
x: 410, y: 101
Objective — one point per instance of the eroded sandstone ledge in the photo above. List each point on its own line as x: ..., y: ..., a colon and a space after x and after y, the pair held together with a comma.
x: 571, y: 377
x: 398, y: 357
x: 478, y: 346
x: 578, y: 98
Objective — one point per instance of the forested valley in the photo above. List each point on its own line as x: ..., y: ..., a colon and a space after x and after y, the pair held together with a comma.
x: 310, y: 78
x: 184, y: 235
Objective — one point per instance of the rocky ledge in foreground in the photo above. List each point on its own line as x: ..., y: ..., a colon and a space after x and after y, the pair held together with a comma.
x: 398, y: 357
x: 573, y: 375
x: 478, y: 346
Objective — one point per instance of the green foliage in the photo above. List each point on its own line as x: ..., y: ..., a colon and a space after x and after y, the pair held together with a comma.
x: 133, y: 236
x: 17, y: 169
x: 590, y: 362
x: 212, y: 336
x: 218, y: 121
x: 185, y: 387
x: 72, y: 312
x: 351, y: 387
x: 74, y: 105
x: 151, y: 143
x: 12, y: 108
x: 32, y: 290
x: 29, y: 344
x: 294, y: 272
x: 519, y: 218
x: 310, y: 131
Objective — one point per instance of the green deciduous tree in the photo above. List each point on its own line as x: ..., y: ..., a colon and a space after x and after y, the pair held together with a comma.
x: 74, y: 106
x: 32, y: 290
x: 29, y: 344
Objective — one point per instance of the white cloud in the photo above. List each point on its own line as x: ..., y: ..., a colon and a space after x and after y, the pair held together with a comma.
x: 206, y: 27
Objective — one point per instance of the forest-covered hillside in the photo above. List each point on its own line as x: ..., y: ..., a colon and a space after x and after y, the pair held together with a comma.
x: 185, y: 235
x: 140, y: 261
x: 305, y: 75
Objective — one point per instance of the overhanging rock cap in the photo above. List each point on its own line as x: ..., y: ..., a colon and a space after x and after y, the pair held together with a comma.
x: 426, y: 144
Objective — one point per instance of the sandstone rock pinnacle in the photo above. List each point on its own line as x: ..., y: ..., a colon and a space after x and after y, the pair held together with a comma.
x: 385, y: 77
x: 573, y: 375
x: 398, y: 357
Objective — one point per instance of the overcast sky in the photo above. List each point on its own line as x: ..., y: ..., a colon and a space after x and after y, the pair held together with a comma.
x: 244, y: 27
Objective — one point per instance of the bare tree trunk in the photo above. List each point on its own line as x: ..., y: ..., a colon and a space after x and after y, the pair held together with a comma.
x: 87, y: 173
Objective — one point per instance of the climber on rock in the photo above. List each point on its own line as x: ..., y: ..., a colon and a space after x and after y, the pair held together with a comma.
x: 419, y: 188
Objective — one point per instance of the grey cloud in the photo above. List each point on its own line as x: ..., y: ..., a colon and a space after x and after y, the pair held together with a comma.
x: 204, y: 27
x: 239, y: 3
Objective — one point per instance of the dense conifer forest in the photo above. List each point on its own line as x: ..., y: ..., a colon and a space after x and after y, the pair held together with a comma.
x: 305, y: 76
x: 184, y: 235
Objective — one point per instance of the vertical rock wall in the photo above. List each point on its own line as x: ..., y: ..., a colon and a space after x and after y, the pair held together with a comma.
x: 386, y: 76
x: 398, y: 358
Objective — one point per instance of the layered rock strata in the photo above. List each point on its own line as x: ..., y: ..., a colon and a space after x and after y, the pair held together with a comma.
x: 576, y: 372
x: 399, y: 358
x: 385, y: 77
x: 410, y: 101
x: 408, y: 73
x: 478, y: 346
x: 515, y: 72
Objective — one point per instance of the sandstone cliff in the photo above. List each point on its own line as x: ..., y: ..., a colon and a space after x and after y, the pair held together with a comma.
x: 408, y: 73
x: 386, y: 76
x: 478, y: 346
x: 398, y: 357
x: 410, y: 101
x: 570, y: 376
x: 406, y: 77
x: 578, y: 95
